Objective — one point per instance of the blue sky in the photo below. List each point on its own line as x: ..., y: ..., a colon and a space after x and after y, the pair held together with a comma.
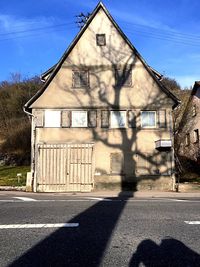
x: 34, y: 34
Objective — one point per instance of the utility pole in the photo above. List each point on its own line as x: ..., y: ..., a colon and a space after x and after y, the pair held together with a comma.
x: 82, y: 19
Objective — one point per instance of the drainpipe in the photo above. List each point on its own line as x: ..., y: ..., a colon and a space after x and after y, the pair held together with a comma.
x: 33, y: 139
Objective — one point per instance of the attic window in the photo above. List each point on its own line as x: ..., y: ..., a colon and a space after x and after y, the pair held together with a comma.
x: 101, y: 39
x: 187, y: 139
x: 196, y: 136
x: 123, y: 75
x: 80, y: 79
x: 194, y: 111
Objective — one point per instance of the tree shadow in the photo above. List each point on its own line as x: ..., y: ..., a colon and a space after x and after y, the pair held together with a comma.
x: 86, y: 245
x: 82, y: 246
x: 170, y: 252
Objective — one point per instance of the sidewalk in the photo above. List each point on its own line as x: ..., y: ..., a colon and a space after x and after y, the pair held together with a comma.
x: 141, y: 194
x: 108, y: 194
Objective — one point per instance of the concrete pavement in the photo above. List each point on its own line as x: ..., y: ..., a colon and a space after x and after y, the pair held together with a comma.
x: 105, y: 194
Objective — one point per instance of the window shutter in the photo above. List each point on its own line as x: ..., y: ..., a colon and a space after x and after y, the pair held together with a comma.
x: 131, y: 119
x: 76, y: 79
x: 39, y: 118
x: 147, y: 164
x: 141, y: 164
x: 66, y: 118
x: 162, y: 118
x: 92, y: 118
x: 164, y: 160
x: 105, y: 118
x: 117, y: 162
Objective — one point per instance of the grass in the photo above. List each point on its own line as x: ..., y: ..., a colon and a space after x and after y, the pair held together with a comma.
x: 8, y: 175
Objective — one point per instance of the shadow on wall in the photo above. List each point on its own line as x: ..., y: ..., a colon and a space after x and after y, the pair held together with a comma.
x: 170, y: 252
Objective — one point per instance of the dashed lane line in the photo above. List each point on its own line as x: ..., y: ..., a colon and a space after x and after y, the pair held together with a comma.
x: 96, y: 199
x: 39, y: 225
x: 192, y: 222
x: 27, y: 199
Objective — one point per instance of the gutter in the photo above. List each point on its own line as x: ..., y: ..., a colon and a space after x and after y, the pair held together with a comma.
x: 28, y: 113
x: 33, y: 139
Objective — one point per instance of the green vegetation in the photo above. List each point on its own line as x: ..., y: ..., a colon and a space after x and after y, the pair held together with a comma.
x: 8, y: 175
x: 15, y: 127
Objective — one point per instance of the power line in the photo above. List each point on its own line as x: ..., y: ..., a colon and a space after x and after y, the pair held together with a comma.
x: 36, y: 29
x: 33, y: 35
x: 131, y: 28
x: 173, y: 39
x: 172, y: 32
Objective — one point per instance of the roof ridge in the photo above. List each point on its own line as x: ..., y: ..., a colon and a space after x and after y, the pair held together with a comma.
x: 151, y: 71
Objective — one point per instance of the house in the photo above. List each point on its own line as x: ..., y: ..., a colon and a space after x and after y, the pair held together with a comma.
x: 187, y: 136
x: 102, y: 119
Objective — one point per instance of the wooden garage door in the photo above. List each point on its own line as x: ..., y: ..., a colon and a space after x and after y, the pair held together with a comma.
x: 65, y: 167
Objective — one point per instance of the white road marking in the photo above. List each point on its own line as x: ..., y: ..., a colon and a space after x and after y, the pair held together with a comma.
x: 99, y: 198
x: 192, y: 222
x: 25, y: 198
x: 90, y: 199
x: 39, y: 225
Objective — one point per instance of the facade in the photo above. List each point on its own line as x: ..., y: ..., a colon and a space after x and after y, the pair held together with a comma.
x: 102, y: 118
x: 187, y: 137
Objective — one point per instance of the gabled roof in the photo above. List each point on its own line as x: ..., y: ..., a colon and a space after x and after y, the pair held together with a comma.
x: 53, y: 70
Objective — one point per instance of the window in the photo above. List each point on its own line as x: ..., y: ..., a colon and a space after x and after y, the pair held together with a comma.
x: 52, y: 118
x: 101, y: 39
x: 116, y: 163
x: 187, y: 139
x: 194, y: 111
x: 146, y: 164
x: 196, y: 136
x: 79, y: 119
x: 118, y: 119
x: 123, y: 75
x: 80, y: 79
x: 148, y: 119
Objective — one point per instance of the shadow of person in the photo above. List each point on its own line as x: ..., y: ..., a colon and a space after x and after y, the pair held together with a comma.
x: 170, y: 253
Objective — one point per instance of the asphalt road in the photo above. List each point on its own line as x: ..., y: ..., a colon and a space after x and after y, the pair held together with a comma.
x: 102, y: 232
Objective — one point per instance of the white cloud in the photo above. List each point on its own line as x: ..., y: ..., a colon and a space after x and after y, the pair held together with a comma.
x: 10, y: 23
x: 140, y: 20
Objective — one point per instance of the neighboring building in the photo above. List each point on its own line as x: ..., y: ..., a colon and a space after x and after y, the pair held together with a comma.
x: 102, y: 119
x: 187, y: 136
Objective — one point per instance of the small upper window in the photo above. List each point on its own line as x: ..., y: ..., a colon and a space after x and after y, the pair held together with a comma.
x: 118, y: 119
x: 101, y: 39
x: 196, y: 135
x: 187, y: 139
x: 80, y: 78
x: 148, y: 119
x: 123, y: 75
x: 52, y: 118
x: 194, y: 111
x: 79, y: 118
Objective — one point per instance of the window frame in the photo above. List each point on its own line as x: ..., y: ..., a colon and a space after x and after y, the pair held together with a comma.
x: 120, y: 70
x: 187, y: 139
x: 148, y: 127
x: 48, y: 123
x: 194, y: 110
x: 74, y: 85
x: 114, y: 126
x: 196, y: 135
x: 74, y: 125
x: 99, y: 35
